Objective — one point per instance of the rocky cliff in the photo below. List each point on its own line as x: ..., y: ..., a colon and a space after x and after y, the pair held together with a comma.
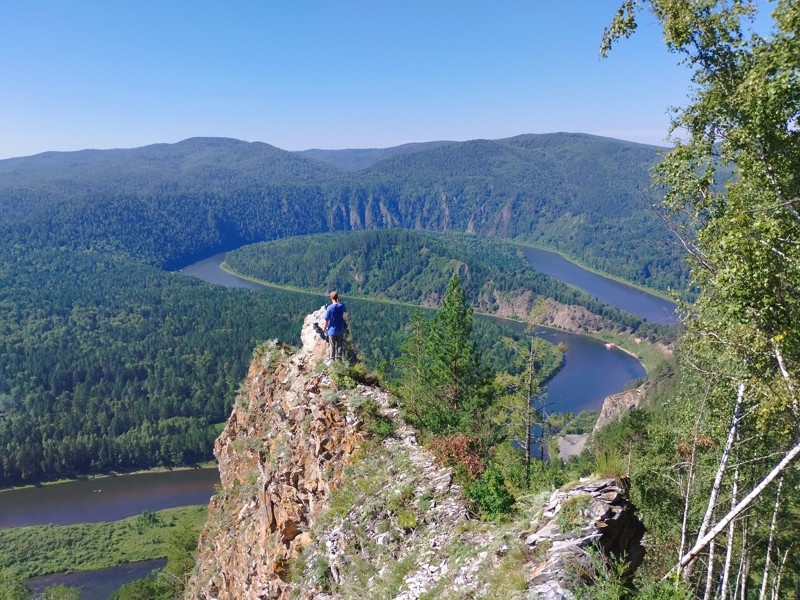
x: 325, y: 493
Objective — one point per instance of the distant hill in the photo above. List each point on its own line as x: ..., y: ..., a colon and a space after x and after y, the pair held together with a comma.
x: 414, y: 267
x: 107, y: 362
x: 167, y: 204
x: 355, y: 159
x: 192, y: 163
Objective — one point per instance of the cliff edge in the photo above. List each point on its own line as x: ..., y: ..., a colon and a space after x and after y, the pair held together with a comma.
x: 325, y: 493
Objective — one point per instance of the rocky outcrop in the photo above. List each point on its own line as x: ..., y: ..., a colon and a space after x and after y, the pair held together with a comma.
x: 281, y: 452
x: 616, y: 405
x: 579, y: 529
x: 571, y: 317
x: 326, y: 494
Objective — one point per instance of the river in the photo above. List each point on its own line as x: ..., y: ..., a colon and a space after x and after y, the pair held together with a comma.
x: 106, y: 498
x: 100, y: 584
x: 621, y: 295
x: 590, y: 373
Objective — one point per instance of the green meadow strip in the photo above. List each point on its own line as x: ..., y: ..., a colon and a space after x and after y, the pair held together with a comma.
x: 43, y: 549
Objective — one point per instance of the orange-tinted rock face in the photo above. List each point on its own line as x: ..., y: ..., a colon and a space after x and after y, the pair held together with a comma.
x: 284, y: 445
x: 397, y: 527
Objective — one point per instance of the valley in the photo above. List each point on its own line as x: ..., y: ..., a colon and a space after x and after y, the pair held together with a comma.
x: 95, y: 325
x: 160, y: 301
x: 156, y: 357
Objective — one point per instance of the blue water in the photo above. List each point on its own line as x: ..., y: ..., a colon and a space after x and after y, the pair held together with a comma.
x: 99, y: 584
x: 590, y: 371
x: 623, y: 296
x: 106, y: 498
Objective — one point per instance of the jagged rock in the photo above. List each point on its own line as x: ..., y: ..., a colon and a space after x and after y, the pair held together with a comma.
x: 300, y: 513
x: 616, y: 405
x: 283, y: 447
x: 594, y: 515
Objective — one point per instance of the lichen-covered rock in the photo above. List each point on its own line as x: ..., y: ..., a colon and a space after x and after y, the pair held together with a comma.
x: 282, y: 450
x: 591, y: 522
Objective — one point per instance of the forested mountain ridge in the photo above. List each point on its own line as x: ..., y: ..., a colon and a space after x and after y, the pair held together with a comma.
x: 585, y: 196
x: 192, y: 163
x: 91, y: 324
x: 415, y: 267
x: 357, y: 159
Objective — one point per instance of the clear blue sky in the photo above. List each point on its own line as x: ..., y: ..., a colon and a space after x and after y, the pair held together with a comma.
x: 302, y: 74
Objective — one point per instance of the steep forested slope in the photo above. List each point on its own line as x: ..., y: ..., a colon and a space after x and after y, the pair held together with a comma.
x: 586, y: 196
x: 107, y: 362
x: 415, y: 267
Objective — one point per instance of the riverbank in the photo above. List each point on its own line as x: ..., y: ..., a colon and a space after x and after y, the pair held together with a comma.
x: 209, y: 464
x: 585, y: 267
x: 43, y: 549
x: 589, y: 372
x: 606, y: 335
x: 579, y: 321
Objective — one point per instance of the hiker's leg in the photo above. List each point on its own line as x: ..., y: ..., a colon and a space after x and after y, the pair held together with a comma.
x: 337, y: 346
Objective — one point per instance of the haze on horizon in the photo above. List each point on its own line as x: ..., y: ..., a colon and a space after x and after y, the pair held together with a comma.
x: 353, y: 74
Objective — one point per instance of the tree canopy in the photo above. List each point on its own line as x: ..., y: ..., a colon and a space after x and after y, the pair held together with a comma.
x: 732, y: 186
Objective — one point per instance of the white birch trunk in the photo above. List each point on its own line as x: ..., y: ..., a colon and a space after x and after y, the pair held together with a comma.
x: 687, y: 494
x: 763, y: 593
x: 723, y: 465
x: 744, y: 564
x: 743, y: 505
x: 710, y: 571
x: 776, y: 588
x: 726, y: 571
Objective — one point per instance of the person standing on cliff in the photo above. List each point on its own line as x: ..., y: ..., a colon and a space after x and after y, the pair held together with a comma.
x: 335, y: 325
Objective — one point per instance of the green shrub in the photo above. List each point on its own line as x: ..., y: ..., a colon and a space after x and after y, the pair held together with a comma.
x: 607, y: 582
x: 611, y: 463
x: 61, y: 592
x: 348, y: 376
x: 322, y: 573
x: 659, y: 590
x: 571, y: 517
x: 374, y: 422
x: 490, y: 494
x: 583, y: 422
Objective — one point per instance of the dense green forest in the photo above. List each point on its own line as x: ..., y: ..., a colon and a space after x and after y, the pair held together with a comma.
x: 415, y: 266
x: 93, y: 326
x: 109, y: 364
x: 585, y: 196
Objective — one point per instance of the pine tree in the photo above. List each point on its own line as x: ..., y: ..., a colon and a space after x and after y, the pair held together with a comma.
x: 443, y: 378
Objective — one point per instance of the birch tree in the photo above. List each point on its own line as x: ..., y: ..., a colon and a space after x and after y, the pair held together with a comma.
x: 732, y: 193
